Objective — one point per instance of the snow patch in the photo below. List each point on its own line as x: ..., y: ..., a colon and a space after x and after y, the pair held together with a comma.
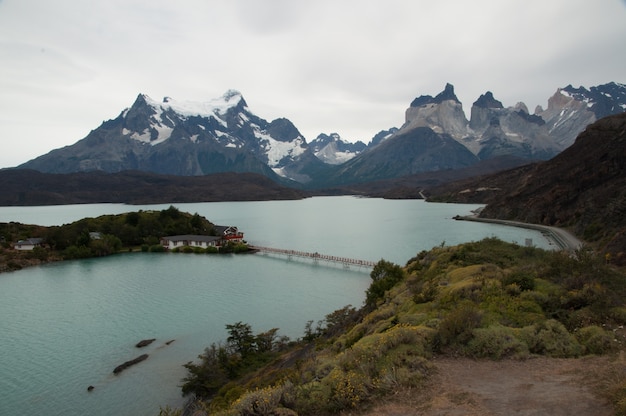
x: 163, y: 133
x: 277, y: 150
x: 217, y: 106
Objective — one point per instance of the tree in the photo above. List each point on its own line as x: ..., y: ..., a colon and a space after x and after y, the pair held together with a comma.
x: 240, y: 339
x: 206, y: 378
x: 265, y: 341
x: 384, y: 276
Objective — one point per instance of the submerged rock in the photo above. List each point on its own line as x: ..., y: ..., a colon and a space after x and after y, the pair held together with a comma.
x: 127, y: 364
x: 144, y: 343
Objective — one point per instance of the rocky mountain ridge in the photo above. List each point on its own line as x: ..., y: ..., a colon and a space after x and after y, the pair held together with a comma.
x: 582, y: 188
x: 224, y: 135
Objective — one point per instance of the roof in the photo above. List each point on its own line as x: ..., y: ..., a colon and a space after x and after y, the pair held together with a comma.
x: 221, y: 229
x: 192, y: 237
x: 33, y: 241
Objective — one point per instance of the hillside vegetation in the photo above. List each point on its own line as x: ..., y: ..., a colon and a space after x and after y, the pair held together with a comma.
x: 484, y: 300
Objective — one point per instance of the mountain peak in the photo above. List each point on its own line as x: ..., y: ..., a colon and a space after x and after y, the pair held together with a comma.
x: 487, y: 101
x: 446, y: 95
x: 230, y: 99
x: 230, y: 94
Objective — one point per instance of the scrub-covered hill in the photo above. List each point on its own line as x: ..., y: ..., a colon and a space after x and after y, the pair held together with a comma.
x: 485, y: 300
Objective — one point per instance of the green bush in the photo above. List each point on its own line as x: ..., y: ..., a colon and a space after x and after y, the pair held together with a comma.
x: 596, y: 340
x: 77, y: 252
x: 38, y: 253
x: 458, y: 325
x: 550, y: 338
x: 521, y: 278
x: 496, y: 342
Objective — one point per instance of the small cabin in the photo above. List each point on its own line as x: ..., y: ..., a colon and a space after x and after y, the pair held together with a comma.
x: 28, y: 244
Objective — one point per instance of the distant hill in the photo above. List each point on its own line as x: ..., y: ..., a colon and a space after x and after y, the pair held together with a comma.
x: 583, y: 188
x: 29, y: 187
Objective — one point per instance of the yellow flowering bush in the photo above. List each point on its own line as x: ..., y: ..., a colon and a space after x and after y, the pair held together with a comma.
x: 347, y: 389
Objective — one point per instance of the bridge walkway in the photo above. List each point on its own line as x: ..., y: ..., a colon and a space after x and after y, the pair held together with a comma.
x: 346, y: 261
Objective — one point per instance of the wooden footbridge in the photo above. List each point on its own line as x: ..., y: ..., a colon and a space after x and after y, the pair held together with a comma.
x: 316, y: 257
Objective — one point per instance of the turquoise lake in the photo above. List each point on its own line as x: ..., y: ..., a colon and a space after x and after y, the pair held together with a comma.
x: 67, y: 325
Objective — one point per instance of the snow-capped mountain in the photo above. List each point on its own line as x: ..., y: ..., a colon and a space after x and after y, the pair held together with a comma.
x: 188, y: 138
x: 224, y: 135
x: 332, y: 149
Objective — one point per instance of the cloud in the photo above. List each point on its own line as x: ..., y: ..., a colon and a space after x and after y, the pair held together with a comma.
x: 342, y: 66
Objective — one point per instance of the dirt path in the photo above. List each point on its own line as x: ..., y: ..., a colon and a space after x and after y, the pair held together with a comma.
x: 538, y: 386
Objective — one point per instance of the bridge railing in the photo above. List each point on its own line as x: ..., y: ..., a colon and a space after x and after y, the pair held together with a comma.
x: 346, y: 261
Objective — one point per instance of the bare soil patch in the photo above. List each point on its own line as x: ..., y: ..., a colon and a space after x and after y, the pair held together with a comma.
x: 537, y: 386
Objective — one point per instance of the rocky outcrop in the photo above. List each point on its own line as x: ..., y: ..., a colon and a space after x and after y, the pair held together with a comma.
x: 442, y: 113
x: 145, y: 343
x: 129, y: 363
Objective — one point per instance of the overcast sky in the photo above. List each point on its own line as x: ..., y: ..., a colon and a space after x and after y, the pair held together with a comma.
x: 345, y: 66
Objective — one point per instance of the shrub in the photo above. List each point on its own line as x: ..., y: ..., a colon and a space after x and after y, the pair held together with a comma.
x: 457, y: 326
x: 347, y: 390
x: 550, y: 338
x: 521, y: 278
x: 424, y: 291
x: 406, y: 370
x: 77, y: 252
x: 38, y: 253
x: 496, y: 342
x: 265, y: 401
x: 595, y: 340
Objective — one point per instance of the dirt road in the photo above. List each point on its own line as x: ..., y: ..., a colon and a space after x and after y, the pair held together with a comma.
x: 559, y: 236
x: 537, y: 386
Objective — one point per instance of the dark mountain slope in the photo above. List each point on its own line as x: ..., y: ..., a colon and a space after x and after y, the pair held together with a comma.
x: 418, y: 150
x: 29, y: 187
x: 583, y: 188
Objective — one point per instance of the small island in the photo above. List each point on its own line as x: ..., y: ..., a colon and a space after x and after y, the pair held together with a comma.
x: 23, y: 245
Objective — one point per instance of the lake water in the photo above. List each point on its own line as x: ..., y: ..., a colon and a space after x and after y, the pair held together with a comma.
x: 67, y: 325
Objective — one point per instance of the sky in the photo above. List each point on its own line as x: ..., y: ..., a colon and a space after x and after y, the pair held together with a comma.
x: 350, y: 67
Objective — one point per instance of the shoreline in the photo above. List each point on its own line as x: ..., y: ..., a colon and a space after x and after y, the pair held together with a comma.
x: 559, y: 236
